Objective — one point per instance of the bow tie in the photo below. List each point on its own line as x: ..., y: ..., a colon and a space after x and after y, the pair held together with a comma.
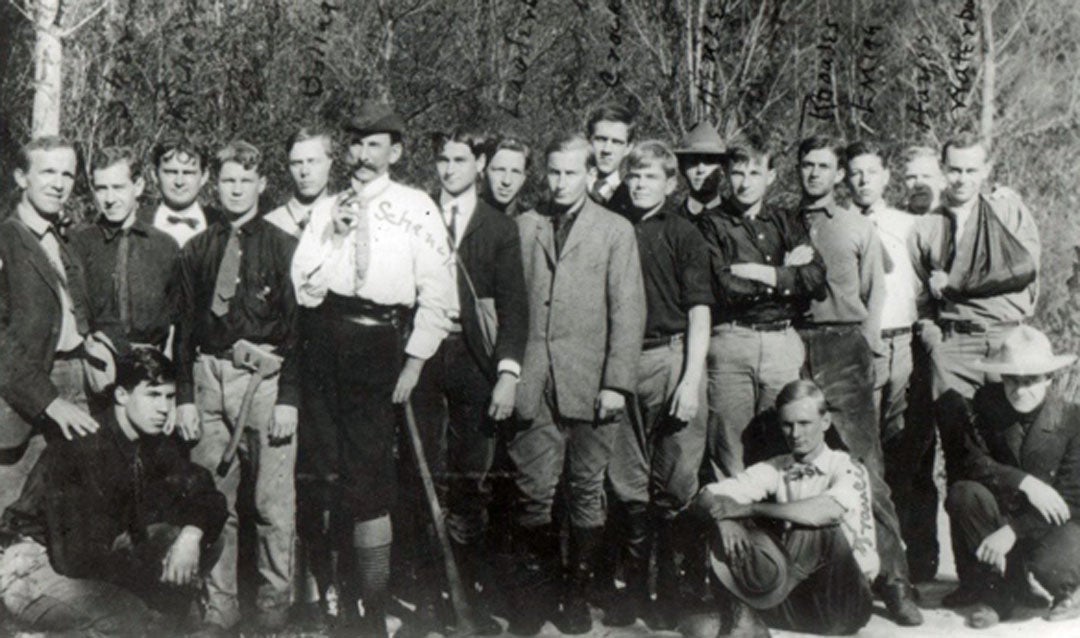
x: 178, y: 219
x: 799, y: 471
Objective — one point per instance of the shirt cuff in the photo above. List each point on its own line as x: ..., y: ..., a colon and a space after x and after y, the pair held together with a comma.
x: 511, y: 366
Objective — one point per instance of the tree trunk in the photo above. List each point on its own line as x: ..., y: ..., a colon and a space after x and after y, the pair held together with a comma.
x: 989, y: 73
x: 48, y: 69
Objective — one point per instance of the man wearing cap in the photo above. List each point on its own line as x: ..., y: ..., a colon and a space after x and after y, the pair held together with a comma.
x: 369, y: 258
x: 794, y: 543
x: 701, y: 156
x: 1016, y: 497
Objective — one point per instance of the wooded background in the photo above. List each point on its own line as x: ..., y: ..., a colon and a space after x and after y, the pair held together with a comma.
x: 899, y: 71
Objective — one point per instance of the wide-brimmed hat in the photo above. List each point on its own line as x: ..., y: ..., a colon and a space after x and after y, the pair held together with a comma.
x: 376, y: 117
x: 763, y: 579
x: 1025, y: 350
x: 702, y: 140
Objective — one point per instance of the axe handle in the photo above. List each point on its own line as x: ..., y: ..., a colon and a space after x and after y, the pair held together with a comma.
x: 241, y: 422
x: 462, y: 610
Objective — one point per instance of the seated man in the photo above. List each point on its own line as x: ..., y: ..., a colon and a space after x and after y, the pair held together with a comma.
x: 115, y: 523
x: 1013, y: 508
x: 796, y: 532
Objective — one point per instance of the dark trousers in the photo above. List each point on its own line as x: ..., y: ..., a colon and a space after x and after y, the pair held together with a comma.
x: 833, y: 596
x: 840, y: 362
x: 1051, y: 553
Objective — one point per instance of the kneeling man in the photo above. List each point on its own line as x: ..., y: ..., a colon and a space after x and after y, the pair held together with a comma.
x: 115, y: 523
x: 795, y: 546
x: 1013, y: 509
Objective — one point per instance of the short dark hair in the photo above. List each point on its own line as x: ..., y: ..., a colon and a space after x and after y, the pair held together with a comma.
x: 143, y: 364
x: 863, y: 147
x: 477, y: 141
x: 612, y: 113
x: 173, y: 145
x: 311, y: 132
x: 243, y: 153
x: 107, y: 156
x: 752, y: 147
x: 510, y: 142
x: 965, y: 138
x: 817, y: 143
x: 41, y: 143
x: 801, y: 389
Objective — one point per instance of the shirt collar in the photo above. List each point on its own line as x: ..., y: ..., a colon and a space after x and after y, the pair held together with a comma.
x: 372, y: 189
x: 194, y: 210
x: 830, y: 209
x: 613, y: 178
x: 695, y: 207
x: 465, y: 201
x: 820, y: 461
x: 110, y: 231
x: 874, y: 209
x: 964, y: 210
x: 735, y: 215
x: 659, y: 213
x: 33, y: 220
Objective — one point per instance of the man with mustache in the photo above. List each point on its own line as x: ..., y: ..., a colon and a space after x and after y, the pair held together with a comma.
x: 130, y: 265
x: 43, y: 314
x: 1014, y: 506
x: 181, y: 170
x: 114, y: 526
x: 370, y: 260
x: 234, y: 285
x: 842, y: 337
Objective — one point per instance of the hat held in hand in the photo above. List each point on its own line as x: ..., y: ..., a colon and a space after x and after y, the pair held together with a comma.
x: 1025, y: 351
x: 763, y: 579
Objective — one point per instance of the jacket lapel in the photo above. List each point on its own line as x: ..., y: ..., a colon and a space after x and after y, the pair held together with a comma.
x: 38, y: 259
x: 581, y: 227
x: 1040, y: 435
x: 546, y: 237
x: 476, y: 221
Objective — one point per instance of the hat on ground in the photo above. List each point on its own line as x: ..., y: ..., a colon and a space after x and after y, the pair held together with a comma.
x: 702, y: 140
x: 376, y: 117
x: 1024, y: 351
x: 762, y: 580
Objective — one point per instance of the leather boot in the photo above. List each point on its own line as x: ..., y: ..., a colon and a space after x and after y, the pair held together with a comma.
x: 664, y: 613
x: 470, y: 560
x: 635, y: 539
x: 534, y: 579
x: 575, y: 617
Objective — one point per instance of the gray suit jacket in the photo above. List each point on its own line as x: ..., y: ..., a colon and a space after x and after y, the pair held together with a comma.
x: 586, y: 311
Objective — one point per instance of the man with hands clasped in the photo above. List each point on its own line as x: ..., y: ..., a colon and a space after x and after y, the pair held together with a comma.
x: 1013, y: 506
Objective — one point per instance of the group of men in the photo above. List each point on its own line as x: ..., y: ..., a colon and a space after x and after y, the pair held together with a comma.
x: 650, y: 367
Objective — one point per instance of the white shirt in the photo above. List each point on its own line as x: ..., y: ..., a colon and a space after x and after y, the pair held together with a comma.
x: 410, y: 261
x: 962, y: 214
x: 613, y: 179
x: 69, y: 338
x: 902, y: 285
x: 832, y: 473
x: 178, y: 230
x: 288, y: 217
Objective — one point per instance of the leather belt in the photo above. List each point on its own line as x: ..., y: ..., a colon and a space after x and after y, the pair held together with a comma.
x: 969, y: 327
x: 363, y: 312
x: 76, y: 353
x: 760, y: 326
x: 889, y: 333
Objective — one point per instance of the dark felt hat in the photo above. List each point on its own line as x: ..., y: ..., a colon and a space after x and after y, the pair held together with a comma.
x: 763, y: 580
x: 702, y: 140
x: 376, y: 117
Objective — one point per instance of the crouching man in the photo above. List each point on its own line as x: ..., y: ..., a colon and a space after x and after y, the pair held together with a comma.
x: 1014, y: 507
x: 795, y: 543
x: 114, y: 525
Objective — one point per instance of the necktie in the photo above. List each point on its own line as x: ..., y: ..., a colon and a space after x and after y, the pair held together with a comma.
x: 451, y: 227
x: 71, y: 280
x: 228, y: 275
x: 300, y: 216
x: 361, y: 236
x: 123, y: 289
x: 799, y: 471
x: 179, y: 219
x: 560, y: 225
x: 602, y: 190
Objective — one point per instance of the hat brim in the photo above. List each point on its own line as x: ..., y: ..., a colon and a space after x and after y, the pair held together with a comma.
x: 767, y: 600
x: 1045, y: 366
x: 710, y: 152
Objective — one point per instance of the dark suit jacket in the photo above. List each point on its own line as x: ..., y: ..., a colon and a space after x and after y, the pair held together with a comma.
x: 586, y: 311
x: 999, y: 455
x: 29, y: 329
x: 491, y: 252
x: 621, y: 203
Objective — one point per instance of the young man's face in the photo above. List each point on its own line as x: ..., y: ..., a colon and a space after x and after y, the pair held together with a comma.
x: 804, y: 426
x: 965, y: 172
x: 750, y: 179
x: 309, y: 167
x: 610, y: 142
x: 47, y: 183
x: 180, y: 178
x: 1027, y: 392
x: 867, y: 177
x: 239, y: 188
x: 820, y: 172
x: 147, y: 406
x: 506, y: 175
x: 372, y: 155
x: 649, y: 185
x: 567, y: 176
x: 457, y: 167
x: 115, y: 193
x: 702, y: 173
